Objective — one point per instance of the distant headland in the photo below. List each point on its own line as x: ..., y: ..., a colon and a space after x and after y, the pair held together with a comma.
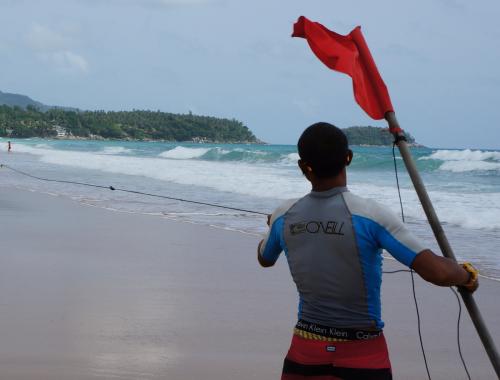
x: 373, y: 136
x: 23, y: 117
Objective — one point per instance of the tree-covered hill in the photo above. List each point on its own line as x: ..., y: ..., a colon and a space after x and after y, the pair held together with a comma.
x: 140, y: 125
x: 24, y: 101
x: 19, y: 100
x: 22, y: 122
x: 371, y: 136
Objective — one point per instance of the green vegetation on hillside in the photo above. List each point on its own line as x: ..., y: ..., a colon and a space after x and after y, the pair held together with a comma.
x: 146, y: 125
x: 140, y: 125
x: 19, y: 100
x: 371, y: 136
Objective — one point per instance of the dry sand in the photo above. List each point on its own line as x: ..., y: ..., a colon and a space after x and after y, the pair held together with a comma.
x: 87, y: 293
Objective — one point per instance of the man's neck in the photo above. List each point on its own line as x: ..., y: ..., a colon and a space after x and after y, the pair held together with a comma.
x: 329, y: 183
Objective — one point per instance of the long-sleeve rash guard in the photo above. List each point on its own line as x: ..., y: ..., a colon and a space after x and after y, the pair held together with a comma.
x: 333, y: 242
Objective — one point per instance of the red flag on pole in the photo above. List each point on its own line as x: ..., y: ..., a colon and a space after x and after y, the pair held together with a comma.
x: 349, y: 55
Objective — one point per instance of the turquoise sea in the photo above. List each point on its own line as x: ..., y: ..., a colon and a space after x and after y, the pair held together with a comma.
x: 464, y: 185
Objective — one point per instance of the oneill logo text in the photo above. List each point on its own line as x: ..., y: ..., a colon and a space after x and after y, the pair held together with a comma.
x: 313, y: 227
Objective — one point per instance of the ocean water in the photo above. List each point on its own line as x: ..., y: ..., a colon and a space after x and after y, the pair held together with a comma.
x: 464, y: 185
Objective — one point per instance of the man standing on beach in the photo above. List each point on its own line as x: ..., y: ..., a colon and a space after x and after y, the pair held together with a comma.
x: 333, y: 242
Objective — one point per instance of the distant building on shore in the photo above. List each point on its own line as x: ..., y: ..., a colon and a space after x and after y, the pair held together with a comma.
x: 201, y: 140
x: 61, y: 132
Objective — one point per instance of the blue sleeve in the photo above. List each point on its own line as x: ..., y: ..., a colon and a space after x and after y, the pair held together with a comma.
x: 273, y: 243
x: 396, y: 248
x: 393, y: 237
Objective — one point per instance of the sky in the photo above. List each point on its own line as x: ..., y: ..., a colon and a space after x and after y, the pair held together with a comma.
x: 235, y: 58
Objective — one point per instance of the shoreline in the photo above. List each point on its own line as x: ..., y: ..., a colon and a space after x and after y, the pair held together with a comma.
x: 99, y: 138
x: 386, y: 255
x: 88, y: 293
x: 85, y: 203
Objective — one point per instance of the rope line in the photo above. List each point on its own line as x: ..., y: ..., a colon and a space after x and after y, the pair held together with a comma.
x: 458, y: 320
x: 414, y: 293
x: 458, y: 333
x: 131, y: 191
x: 419, y: 325
x: 396, y: 271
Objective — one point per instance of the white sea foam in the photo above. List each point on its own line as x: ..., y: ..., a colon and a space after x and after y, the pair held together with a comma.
x: 463, y: 155
x: 256, y: 152
x: 467, y: 160
x: 44, y: 146
x: 290, y: 159
x: 468, y: 210
x: 183, y: 153
x: 470, y: 166
x: 234, y: 177
x: 24, y: 148
x: 471, y: 210
x: 223, y: 151
x: 115, y: 150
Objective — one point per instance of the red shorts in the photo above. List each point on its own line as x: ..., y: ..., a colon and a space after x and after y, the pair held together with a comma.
x: 354, y: 359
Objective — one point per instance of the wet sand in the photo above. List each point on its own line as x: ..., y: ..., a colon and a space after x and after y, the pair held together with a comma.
x: 88, y: 293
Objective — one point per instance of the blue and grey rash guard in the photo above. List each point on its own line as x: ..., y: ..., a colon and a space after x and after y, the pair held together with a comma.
x: 333, y: 242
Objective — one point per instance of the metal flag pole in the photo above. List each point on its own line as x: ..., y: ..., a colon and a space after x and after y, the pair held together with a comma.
x: 441, y: 238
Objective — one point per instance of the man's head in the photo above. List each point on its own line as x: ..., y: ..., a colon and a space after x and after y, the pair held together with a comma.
x: 323, y: 151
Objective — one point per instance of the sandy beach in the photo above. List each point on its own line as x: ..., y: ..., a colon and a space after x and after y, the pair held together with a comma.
x: 88, y: 293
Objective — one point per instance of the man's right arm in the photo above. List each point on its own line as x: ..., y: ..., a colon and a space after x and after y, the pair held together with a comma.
x: 442, y: 271
x: 393, y: 236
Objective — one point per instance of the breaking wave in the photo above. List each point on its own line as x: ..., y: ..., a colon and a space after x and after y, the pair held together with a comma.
x: 191, y: 166
x: 233, y: 177
x: 236, y: 155
x: 115, y: 150
x: 460, y: 161
x: 291, y: 159
x: 464, y: 155
x: 183, y: 153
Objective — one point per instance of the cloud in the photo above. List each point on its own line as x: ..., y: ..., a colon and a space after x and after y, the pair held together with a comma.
x: 42, y: 38
x: 55, y: 49
x: 308, y: 107
x: 66, y: 60
x: 154, y: 3
x: 453, y: 4
x: 181, y: 2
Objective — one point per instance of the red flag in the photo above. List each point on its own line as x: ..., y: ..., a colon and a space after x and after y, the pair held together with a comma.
x: 349, y: 55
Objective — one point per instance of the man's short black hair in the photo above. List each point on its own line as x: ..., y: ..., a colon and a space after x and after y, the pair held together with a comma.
x: 324, y: 148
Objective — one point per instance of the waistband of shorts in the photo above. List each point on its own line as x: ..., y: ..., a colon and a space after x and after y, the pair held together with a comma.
x: 310, y: 330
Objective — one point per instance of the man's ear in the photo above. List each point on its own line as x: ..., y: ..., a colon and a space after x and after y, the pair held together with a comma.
x: 349, y: 157
x: 306, y: 169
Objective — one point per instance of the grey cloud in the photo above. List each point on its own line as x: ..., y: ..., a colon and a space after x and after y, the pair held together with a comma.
x: 66, y: 60
x: 42, y: 38
x: 55, y: 49
x: 150, y: 3
x: 453, y: 4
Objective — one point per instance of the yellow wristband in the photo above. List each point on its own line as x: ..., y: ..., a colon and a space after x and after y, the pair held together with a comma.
x: 473, y: 273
